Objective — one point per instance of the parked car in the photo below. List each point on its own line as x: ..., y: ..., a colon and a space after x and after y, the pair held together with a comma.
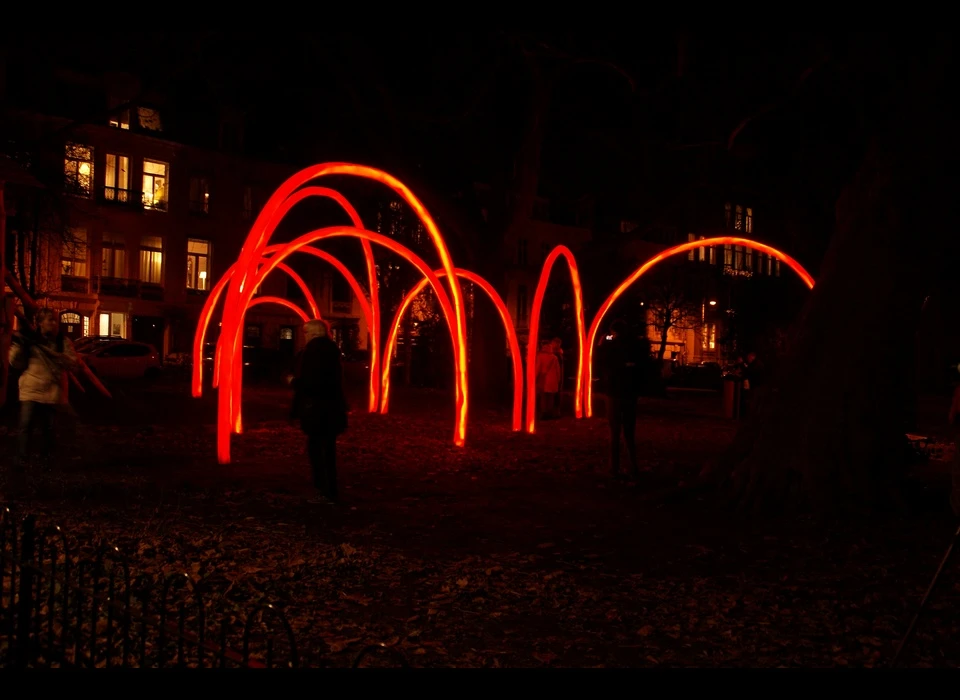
x: 91, y: 341
x: 123, y: 360
x: 259, y: 364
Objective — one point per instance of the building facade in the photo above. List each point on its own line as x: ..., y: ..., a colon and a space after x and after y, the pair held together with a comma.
x: 146, y: 227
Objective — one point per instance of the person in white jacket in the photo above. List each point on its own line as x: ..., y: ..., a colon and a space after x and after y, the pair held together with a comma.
x: 43, y: 357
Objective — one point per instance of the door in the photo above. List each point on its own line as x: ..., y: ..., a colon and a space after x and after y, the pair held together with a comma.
x: 71, y: 324
x: 149, y: 329
x: 288, y: 340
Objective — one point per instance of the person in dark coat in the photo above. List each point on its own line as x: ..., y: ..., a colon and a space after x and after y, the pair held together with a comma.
x: 319, y: 402
x: 624, y: 366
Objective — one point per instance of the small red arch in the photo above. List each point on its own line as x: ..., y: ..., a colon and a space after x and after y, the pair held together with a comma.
x: 535, y: 329
x: 314, y: 309
x: 507, y: 326
x: 229, y: 416
x: 655, y: 260
x: 280, y: 302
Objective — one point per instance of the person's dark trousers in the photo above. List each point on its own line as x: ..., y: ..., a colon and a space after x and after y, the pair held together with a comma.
x: 622, y: 416
x: 322, y: 449
x: 35, y: 415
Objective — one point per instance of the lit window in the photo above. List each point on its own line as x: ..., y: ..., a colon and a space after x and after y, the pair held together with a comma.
x: 154, y: 185
x: 199, y: 195
x: 73, y: 259
x: 776, y: 268
x: 120, y: 120
x: 86, y: 326
x: 286, y: 333
x: 151, y: 259
x: 691, y: 254
x: 769, y: 264
x: 749, y: 252
x: 113, y: 257
x: 702, y: 251
x: 116, y: 182
x: 113, y: 324
x: 247, y: 202
x: 749, y: 226
x: 708, y: 337
x: 78, y: 169
x: 738, y: 221
x: 149, y: 119
x: 198, y: 264
x: 727, y: 255
x: 713, y: 255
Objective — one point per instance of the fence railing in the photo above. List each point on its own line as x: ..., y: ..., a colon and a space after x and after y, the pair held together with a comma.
x: 69, y: 606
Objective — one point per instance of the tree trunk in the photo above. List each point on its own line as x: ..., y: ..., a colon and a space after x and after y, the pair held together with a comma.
x: 830, y: 430
x: 664, y: 332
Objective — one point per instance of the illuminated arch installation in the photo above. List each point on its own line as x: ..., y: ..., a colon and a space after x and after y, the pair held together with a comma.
x: 258, y: 259
x: 533, y: 342
x: 651, y: 263
x: 507, y: 326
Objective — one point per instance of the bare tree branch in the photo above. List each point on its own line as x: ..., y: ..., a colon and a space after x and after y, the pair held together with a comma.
x: 766, y: 109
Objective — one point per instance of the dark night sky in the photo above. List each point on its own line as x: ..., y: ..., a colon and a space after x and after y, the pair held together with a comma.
x: 452, y: 104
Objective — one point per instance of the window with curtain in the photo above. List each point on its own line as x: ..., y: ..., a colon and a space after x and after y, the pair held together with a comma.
x: 198, y: 264
x: 113, y: 257
x: 73, y: 259
x: 151, y: 259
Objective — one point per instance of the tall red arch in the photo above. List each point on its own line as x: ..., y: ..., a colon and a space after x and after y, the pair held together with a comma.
x: 508, y: 327
x: 532, y: 343
x: 263, y: 228
x: 229, y: 415
x: 652, y: 262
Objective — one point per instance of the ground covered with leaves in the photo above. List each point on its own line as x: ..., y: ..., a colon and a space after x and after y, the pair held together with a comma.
x: 516, y: 551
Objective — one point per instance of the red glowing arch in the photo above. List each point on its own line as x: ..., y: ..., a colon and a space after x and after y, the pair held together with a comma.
x: 229, y: 416
x: 281, y: 302
x: 274, y: 210
x: 206, y: 314
x: 314, y: 309
x: 535, y: 330
x: 656, y: 259
x: 507, y: 325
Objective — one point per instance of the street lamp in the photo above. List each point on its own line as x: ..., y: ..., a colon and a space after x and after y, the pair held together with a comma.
x: 713, y: 302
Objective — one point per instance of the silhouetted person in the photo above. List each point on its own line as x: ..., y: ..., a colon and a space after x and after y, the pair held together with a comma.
x: 548, y: 379
x: 44, y: 356
x: 953, y: 420
x: 321, y: 405
x: 558, y: 351
x: 753, y: 379
x: 624, y: 364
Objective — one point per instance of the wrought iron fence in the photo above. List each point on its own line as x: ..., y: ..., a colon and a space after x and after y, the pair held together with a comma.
x: 70, y: 607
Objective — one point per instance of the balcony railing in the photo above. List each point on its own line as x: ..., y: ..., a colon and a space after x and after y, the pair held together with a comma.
x: 154, y: 204
x: 151, y: 292
x: 120, y: 196
x: 115, y: 287
x: 131, y: 289
x: 77, y: 285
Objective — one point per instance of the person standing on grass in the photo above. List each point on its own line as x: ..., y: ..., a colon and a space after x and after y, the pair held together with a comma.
x: 320, y: 403
x: 624, y: 364
x: 953, y: 420
x: 44, y: 356
x: 558, y: 351
x: 548, y: 379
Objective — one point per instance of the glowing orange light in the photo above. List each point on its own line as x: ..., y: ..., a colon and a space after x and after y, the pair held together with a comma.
x: 535, y: 329
x: 281, y: 302
x: 231, y: 381
x: 264, y: 226
x: 507, y: 325
x: 643, y: 269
